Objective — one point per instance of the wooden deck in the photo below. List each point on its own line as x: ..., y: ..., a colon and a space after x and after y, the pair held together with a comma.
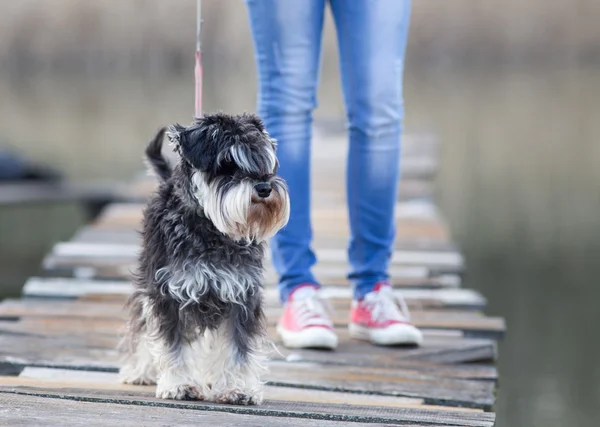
x: 58, y: 361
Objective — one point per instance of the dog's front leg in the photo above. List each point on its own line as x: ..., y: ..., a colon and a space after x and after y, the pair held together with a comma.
x: 236, y: 358
x: 175, y: 358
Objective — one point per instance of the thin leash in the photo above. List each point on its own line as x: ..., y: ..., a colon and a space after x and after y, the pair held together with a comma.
x: 198, y: 67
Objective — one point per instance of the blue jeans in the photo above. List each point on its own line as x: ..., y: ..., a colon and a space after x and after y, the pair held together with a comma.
x: 372, y: 39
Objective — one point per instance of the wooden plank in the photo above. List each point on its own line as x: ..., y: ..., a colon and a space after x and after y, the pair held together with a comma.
x: 434, y: 390
x: 61, y: 288
x: 462, y: 323
x: 406, y: 369
x: 471, y: 324
x: 423, y: 216
x: 60, y: 378
x: 66, y: 378
x: 103, y: 333
x: 89, y: 234
x: 44, y: 309
x: 31, y: 307
x: 113, y: 404
x: 81, y: 350
x: 27, y: 408
x: 323, y: 227
x: 128, y: 253
x: 332, y: 262
x: 401, y: 276
x: 405, y: 229
x: 434, y: 350
x: 414, y: 276
x: 75, y: 288
x: 72, y: 324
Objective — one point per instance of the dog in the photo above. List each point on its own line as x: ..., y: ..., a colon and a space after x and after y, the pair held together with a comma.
x: 196, y: 325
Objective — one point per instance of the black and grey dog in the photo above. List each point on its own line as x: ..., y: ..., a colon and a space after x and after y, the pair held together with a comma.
x: 196, y: 325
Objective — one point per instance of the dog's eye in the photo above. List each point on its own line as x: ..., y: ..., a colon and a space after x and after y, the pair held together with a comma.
x: 227, y: 167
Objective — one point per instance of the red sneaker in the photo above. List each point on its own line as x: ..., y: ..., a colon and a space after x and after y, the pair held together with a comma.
x: 304, y: 323
x: 379, y: 319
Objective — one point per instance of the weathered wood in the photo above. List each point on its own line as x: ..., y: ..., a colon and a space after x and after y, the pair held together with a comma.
x: 23, y: 408
x: 364, y: 354
x: 61, y: 340
x: 467, y: 323
x: 82, y: 253
x: 100, y: 333
x: 479, y: 372
x: 69, y: 310
x: 83, y: 350
x: 103, y: 334
x: 415, y: 219
x: 74, y: 323
x: 75, y: 288
x: 297, y: 413
x: 432, y: 390
x: 401, y: 276
x: 61, y: 378
x: 90, y: 234
x: 110, y: 263
x: 406, y: 230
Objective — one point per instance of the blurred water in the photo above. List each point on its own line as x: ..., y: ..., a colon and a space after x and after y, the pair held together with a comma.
x: 519, y: 183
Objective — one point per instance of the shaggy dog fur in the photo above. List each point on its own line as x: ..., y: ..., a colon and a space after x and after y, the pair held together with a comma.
x: 196, y: 325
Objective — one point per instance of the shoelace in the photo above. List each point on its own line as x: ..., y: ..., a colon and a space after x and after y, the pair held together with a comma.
x: 385, y: 305
x: 311, y: 310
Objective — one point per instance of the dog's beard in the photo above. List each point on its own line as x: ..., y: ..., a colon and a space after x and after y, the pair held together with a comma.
x: 238, y: 213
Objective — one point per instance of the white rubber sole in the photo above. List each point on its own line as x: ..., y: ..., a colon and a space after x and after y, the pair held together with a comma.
x: 308, y: 338
x: 397, y: 334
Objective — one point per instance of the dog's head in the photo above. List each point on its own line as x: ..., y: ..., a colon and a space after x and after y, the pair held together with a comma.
x: 231, y: 166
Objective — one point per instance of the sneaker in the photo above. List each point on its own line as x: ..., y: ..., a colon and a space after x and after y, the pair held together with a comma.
x: 378, y: 318
x: 304, y: 323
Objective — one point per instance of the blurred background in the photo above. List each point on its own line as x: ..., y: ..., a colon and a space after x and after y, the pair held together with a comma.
x: 512, y: 90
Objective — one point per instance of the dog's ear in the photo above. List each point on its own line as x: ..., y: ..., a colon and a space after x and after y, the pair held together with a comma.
x: 255, y: 120
x: 189, y: 144
x: 174, y: 134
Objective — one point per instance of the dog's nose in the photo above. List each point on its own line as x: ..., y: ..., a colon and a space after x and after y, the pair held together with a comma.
x: 263, y: 189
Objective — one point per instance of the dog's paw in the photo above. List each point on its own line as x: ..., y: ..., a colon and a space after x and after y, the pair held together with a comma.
x: 180, y: 392
x: 238, y: 397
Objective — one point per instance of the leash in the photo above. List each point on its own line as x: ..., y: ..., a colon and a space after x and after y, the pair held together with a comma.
x: 198, y: 67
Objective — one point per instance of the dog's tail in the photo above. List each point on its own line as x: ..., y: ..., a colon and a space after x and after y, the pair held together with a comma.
x: 155, y: 158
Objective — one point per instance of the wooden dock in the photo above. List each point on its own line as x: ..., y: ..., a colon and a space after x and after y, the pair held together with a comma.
x: 58, y: 363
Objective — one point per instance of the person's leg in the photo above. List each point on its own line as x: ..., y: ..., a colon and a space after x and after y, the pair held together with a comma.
x: 372, y: 38
x: 287, y: 41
